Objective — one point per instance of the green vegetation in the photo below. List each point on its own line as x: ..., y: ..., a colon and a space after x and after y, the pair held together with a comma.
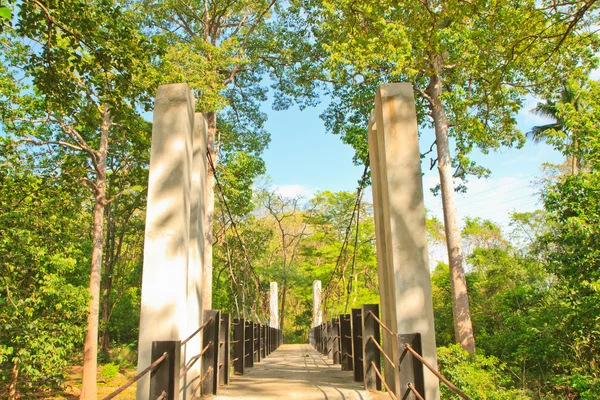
x: 77, y: 77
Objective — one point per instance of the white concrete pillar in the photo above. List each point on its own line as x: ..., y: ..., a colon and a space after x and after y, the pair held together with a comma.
x: 168, y: 280
x: 400, y: 223
x: 317, y: 309
x: 273, y: 310
x: 196, y: 254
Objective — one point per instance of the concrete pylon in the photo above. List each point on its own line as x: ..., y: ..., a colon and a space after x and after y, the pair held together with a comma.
x: 317, y: 308
x: 196, y: 253
x: 273, y: 310
x: 173, y: 248
x: 402, y: 257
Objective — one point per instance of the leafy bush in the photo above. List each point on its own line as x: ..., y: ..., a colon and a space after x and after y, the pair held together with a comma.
x: 478, y: 376
x: 109, y: 371
x: 125, y: 355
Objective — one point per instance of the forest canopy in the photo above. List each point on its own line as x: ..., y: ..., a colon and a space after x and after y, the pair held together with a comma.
x: 77, y: 80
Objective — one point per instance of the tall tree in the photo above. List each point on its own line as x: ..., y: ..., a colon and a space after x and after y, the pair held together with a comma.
x: 558, y: 130
x: 83, y: 59
x: 127, y: 178
x: 211, y: 47
x: 43, y: 245
x: 286, y: 214
x: 470, y: 64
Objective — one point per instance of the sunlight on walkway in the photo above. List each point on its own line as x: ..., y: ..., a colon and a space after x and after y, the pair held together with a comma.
x: 296, y: 371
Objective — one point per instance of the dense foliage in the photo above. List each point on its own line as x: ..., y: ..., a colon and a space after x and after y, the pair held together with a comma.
x: 76, y: 80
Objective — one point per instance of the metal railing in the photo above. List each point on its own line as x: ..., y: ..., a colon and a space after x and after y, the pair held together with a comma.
x: 136, y: 378
x: 356, y: 338
x: 251, y: 343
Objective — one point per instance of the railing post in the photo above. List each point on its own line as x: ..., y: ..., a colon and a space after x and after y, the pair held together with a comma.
x: 224, y: 350
x: 335, y: 340
x: 263, y: 344
x: 210, y: 358
x: 346, y: 342
x: 268, y: 340
x: 357, y: 351
x: 165, y: 377
x: 239, y: 330
x: 371, y: 354
x: 255, y: 352
x: 318, y: 329
x: 329, y: 353
x: 324, y: 338
x: 249, y: 345
x: 411, y: 369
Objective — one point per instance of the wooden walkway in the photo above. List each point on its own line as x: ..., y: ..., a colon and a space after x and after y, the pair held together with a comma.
x: 296, y: 371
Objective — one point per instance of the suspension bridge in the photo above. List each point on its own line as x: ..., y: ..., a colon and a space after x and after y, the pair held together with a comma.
x: 384, y: 350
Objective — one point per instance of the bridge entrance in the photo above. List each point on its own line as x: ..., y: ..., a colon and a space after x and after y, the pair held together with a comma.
x: 173, y: 365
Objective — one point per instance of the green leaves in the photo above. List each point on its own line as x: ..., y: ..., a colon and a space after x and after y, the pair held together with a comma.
x: 42, y: 268
x: 5, y: 13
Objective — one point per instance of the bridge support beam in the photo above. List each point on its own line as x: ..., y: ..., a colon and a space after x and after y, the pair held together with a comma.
x: 405, y: 286
x: 173, y: 250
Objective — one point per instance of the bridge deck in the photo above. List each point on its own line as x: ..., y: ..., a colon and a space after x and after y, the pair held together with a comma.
x: 296, y: 371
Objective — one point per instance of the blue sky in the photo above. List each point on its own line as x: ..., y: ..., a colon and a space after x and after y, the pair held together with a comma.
x: 302, y: 159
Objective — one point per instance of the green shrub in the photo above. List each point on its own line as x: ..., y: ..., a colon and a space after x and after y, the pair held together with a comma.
x: 125, y: 355
x: 480, y: 377
x: 109, y: 371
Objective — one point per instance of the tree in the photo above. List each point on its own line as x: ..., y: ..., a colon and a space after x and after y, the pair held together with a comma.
x: 83, y: 61
x: 290, y: 235
x: 126, y: 176
x: 548, y: 132
x: 470, y: 65
x: 569, y: 249
x: 340, y: 250
x: 42, y: 249
x: 210, y: 45
x: 481, y: 233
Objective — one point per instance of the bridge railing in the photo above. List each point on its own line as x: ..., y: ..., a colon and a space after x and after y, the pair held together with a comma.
x: 354, y: 342
x: 251, y: 342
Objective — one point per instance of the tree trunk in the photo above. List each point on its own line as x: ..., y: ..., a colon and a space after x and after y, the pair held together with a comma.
x: 283, y: 296
x: 90, y: 353
x: 463, y: 328
x: 575, y: 158
x: 107, y: 278
x: 12, y: 388
x: 284, y: 283
x: 207, y: 269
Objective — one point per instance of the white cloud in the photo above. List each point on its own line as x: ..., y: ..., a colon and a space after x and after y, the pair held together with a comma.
x: 492, y: 198
x: 293, y: 190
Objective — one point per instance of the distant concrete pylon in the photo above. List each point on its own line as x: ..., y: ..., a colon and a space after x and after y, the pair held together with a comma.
x: 274, y: 311
x: 317, y: 310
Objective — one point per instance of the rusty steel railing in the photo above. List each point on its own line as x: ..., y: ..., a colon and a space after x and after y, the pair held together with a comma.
x: 361, y: 351
x: 136, y: 378
x: 218, y: 352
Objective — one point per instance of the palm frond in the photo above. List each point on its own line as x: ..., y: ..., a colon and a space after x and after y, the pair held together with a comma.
x: 547, y: 110
x: 540, y: 133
